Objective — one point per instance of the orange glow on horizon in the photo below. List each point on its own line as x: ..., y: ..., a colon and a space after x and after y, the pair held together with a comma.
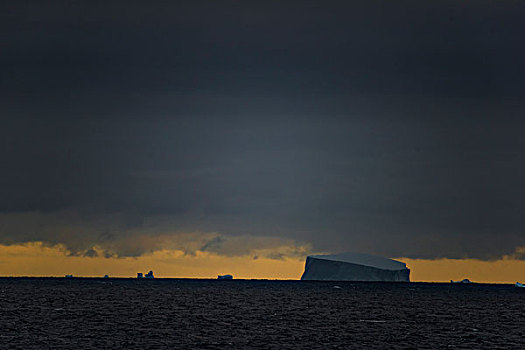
x: 443, y: 270
x: 35, y: 259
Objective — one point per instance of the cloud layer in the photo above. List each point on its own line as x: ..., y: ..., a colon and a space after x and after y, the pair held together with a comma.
x: 230, y: 127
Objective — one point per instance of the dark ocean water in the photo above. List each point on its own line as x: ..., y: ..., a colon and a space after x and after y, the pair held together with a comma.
x: 209, y: 314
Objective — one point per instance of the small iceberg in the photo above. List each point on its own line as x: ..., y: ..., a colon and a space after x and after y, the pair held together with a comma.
x: 106, y: 276
x: 466, y: 280
x: 520, y: 285
x: 225, y: 277
x: 69, y: 276
x: 148, y: 275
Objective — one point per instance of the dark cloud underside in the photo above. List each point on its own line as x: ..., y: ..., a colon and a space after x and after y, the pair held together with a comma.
x: 391, y: 128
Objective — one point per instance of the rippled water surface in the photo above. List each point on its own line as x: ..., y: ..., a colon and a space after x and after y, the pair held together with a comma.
x: 209, y: 314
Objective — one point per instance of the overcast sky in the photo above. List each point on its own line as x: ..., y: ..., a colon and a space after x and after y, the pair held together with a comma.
x: 394, y: 128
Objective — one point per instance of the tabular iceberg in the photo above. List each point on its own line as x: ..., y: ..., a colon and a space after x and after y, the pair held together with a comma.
x: 225, y: 277
x: 354, y: 267
x: 466, y: 280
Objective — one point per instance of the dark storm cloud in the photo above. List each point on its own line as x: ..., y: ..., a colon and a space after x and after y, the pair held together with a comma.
x: 390, y: 128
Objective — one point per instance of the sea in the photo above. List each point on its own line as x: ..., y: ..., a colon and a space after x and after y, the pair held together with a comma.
x: 122, y: 313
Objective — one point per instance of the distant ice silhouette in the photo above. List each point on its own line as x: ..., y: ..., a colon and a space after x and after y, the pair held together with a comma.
x: 466, y: 280
x: 148, y: 275
x: 225, y: 277
x: 520, y: 285
x: 106, y: 276
x: 69, y: 276
x: 354, y: 267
